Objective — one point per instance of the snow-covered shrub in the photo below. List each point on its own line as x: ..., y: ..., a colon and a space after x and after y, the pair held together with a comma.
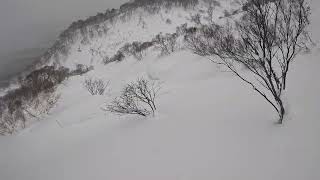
x: 95, y: 86
x: 136, y: 49
x: 81, y: 69
x: 166, y: 43
x: 119, y: 56
x: 136, y: 98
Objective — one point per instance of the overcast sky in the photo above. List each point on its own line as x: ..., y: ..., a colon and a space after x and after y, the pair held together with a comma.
x: 34, y: 23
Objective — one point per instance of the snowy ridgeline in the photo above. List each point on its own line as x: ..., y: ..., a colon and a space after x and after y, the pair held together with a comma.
x: 91, y: 43
x: 208, y: 124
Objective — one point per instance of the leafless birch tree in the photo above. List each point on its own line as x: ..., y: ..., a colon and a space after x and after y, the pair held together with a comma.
x: 265, y: 41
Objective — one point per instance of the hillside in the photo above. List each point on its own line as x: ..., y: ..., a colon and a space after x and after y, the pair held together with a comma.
x: 90, y: 41
x: 208, y: 125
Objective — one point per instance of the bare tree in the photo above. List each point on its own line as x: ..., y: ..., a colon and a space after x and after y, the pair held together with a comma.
x: 145, y: 92
x: 95, y: 86
x: 127, y: 104
x: 134, y: 97
x: 266, y: 41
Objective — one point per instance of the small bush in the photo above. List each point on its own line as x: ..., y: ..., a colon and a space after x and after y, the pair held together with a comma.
x: 95, y: 86
x: 136, y: 98
x: 81, y: 69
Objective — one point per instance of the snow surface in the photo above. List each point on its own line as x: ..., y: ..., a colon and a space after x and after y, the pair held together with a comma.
x: 208, y: 126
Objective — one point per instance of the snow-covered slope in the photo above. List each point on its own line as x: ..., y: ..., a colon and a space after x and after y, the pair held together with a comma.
x: 208, y: 124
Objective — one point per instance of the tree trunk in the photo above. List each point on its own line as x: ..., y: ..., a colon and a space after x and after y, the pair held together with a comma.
x: 284, y: 81
x: 281, y: 112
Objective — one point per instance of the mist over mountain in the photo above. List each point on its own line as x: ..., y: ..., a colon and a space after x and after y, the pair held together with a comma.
x: 12, y: 64
x: 36, y: 24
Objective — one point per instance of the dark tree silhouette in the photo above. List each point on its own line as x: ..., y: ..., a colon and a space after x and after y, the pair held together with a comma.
x: 265, y: 41
x: 133, y: 98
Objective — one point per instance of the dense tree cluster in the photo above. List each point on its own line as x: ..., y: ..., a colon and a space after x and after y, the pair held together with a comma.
x: 36, y: 90
x: 13, y: 105
x: 156, y: 4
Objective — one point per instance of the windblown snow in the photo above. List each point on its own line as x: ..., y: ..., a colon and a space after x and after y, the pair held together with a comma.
x: 208, y: 124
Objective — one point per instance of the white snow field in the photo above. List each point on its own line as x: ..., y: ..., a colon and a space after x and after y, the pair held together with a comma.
x: 208, y: 126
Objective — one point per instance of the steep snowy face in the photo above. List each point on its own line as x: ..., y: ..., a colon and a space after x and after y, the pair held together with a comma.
x: 89, y: 42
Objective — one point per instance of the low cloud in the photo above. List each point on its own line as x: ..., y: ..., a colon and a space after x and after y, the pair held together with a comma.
x: 34, y: 23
